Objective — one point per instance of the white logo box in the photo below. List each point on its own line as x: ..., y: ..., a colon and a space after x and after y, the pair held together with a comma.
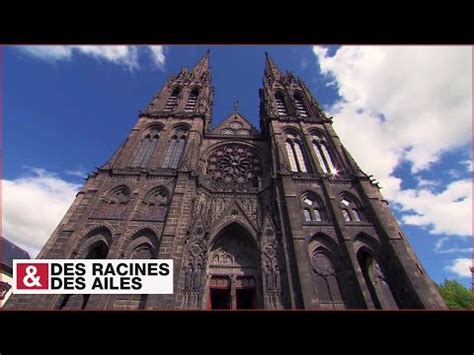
x: 114, y: 276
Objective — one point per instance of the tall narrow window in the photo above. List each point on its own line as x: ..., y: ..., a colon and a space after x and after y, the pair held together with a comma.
x: 321, y: 162
x: 192, y: 99
x: 299, y: 157
x: 324, y: 158
x: 175, y: 148
x: 307, y: 215
x: 295, y: 153
x: 169, y: 152
x: 172, y: 100
x: 347, y: 216
x: 146, y: 147
x: 291, y: 156
x: 280, y: 104
x: 178, y: 153
x: 317, y: 215
x: 301, y: 109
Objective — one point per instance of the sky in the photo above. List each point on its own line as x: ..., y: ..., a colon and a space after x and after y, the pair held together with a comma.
x: 404, y: 113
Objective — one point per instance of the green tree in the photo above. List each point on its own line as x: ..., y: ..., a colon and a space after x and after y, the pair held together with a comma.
x: 455, y: 295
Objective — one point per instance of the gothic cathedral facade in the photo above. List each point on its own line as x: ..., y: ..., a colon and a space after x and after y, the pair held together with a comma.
x: 276, y: 218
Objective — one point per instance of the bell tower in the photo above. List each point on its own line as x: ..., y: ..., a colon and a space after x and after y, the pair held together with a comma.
x: 344, y: 247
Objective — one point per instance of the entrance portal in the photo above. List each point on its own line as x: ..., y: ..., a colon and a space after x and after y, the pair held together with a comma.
x: 234, y: 271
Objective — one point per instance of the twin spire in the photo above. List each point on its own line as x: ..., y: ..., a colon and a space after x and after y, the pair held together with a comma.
x: 271, y: 68
x: 203, y: 65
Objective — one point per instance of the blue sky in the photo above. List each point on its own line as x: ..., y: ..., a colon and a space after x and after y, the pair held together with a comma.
x: 404, y: 112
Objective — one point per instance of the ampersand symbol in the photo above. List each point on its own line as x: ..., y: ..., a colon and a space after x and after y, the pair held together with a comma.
x: 30, y: 279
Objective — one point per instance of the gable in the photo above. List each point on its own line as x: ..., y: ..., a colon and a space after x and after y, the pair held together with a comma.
x: 235, y: 125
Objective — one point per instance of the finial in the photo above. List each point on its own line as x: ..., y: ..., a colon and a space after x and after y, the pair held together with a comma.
x: 236, y: 106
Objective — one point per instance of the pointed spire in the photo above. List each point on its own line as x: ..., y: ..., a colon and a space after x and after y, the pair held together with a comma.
x: 271, y: 68
x: 203, y: 65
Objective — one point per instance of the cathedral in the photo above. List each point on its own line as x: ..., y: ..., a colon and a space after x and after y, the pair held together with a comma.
x: 274, y: 217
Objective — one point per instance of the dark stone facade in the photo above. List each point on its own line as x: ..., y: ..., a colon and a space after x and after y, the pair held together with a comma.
x: 281, y: 218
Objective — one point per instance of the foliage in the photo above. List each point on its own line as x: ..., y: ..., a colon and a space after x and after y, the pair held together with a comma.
x: 455, y: 295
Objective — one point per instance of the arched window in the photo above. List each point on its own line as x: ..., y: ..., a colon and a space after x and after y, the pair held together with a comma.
x: 146, y: 147
x: 156, y: 204
x: 313, y: 209
x: 351, y: 210
x: 326, y: 279
x: 300, y: 105
x: 143, y: 245
x: 172, y: 100
x: 295, y: 154
x: 320, y: 146
x: 175, y: 148
x: 116, y: 202
x: 98, y: 249
x: 281, y: 104
x: 192, y: 99
x: 376, y: 281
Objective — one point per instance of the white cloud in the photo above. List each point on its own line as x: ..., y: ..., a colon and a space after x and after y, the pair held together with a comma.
x: 448, y: 212
x: 411, y: 104
x: 460, y: 267
x: 158, y: 55
x: 426, y: 183
x: 121, y: 55
x: 48, y: 53
x: 79, y: 172
x: 33, y: 205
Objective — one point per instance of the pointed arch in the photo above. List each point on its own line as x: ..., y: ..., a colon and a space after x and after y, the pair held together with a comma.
x: 146, y: 146
x: 157, y: 202
x: 144, y: 239
x: 233, y: 270
x: 116, y: 201
x: 236, y: 224
x: 295, y: 150
x: 280, y: 102
x: 192, y: 99
x: 376, y: 275
x: 94, y: 245
x: 321, y: 148
x: 313, y: 207
x: 327, y: 271
x: 300, y: 105
x: 176, y: 147
x: 351, y: 208
x: 172, y: 101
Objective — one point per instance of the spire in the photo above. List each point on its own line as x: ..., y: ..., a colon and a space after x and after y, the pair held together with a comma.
x: 203, y: 65
x: 271, y: 68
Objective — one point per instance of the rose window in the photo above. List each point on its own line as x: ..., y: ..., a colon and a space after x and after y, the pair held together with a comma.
x: 234, y: 164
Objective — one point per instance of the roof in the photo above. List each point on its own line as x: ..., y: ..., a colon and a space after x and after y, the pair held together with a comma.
x: 236, y: 117
x: 9, y: 251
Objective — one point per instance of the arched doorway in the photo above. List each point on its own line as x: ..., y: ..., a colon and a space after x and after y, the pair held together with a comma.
x: 233, y: 271
x: 378, y: 284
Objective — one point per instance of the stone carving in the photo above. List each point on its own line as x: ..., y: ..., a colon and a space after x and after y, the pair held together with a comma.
x: 271, y: 266
x: 234, y: 164
x: 235, y: 251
